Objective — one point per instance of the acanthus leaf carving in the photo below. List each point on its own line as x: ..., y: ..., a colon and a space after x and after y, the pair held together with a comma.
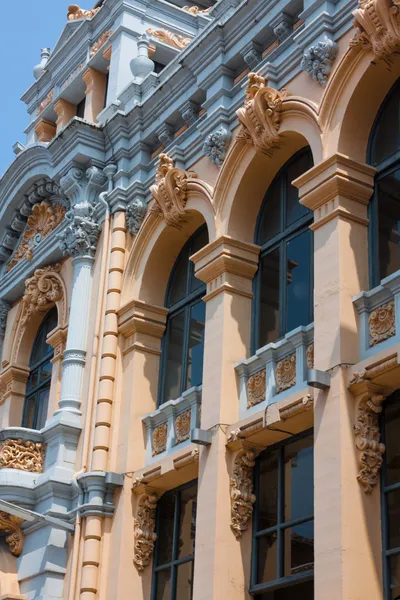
x: 260, y: 116
x: 11, y: 525
x: 144, y: 530
x: 381, y: 323
x: 42, y: 291
x: 75, y: 12
x: 241, y: 485
x: 167, y: 37
x: 170, y: 191
x: 378, y: 27
x: 23, y: 455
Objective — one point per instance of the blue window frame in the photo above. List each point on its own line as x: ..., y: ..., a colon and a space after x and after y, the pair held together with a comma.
x: 390, y: 490
x: 284, y: 282
x: 283, y: 521
x: 384, y: 207
x: 173, y: 564
x: 38, y: 384
x: 183, y: 341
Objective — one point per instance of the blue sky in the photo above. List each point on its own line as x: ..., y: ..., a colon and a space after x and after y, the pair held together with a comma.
x: 28, y: 26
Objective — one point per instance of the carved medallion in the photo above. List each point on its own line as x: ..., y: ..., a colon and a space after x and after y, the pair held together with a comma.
x: 286, y: 373
x: 241, y: 484
x: 23, y: 455
x: 182, y: 426
x: 12, y: 527
x: 381, y: 323
x: 256, y: 388
x: 144, y: 530
x: 160, y: 434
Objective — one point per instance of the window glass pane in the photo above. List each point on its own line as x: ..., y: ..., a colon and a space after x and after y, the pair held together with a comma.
x: 163, y: 583
x: 298, y: 477
x: 29, y: 413
x: 45, y: 371
x: 269, y: 298
x: 295, y: 210
x: 33, y: 380
x: 271, y: 215
x: 298, y: 279
x: 299, y: 548
x: 165, y: 533
x: 392, y: 442
x: 393, y: 508
x: 387, y: 136
x: 177, y: 289
x: 394, y: 563
x: 196, y: 345
x: 388, y: 193
x: 184, y: 582
x: 187, y: 522
x: 301, y: 591
x: 198, y: 242
x: 42, y: 407
x: 173, y: 362
x: 267, y: 558
x: 268, y: 491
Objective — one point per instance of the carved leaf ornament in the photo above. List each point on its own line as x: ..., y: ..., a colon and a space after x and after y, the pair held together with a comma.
x: 167, y: 37
x: 378, y: 27
x: 23, y: 455
x: 242, y: 496
x: 368, y: 437
x: 144, y: 529
x: 42, y: 291
x: 260, y: 117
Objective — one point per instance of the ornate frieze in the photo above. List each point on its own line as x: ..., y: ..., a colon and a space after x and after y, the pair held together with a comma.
x: 286, y: 373
x: 43, y: 220
x: 100, y: 42
x: 260, y: 116
x: 256, y: 388
x: 378, y: 27
x: 42, y: 291
x: 170, y: 191
x: 74, y: 12
x: 381, y: 323
x: 241, y: 484
x: 167, y: 37
x: 159, y: 438
x: 135, y: 213
x: 23, y: 455
x: 79, y: 239
x: 144, y: 530
x: 182, y: 426
x: 318, y: 60
x: 11, y: 526
x: 216, y: 145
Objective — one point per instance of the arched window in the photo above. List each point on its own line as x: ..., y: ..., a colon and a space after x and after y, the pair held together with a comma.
x: 283, y: 294
x: 183, y: 342
x: 38, y: 384
x: 384, y: 209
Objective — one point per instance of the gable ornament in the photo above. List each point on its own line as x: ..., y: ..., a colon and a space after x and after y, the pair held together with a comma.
x: 260, y: 116
x: 170, y: 191
x: 378, y: 27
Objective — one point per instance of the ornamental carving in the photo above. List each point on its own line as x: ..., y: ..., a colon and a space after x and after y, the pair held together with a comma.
x: 318, y: 60
x: 170, y: 191
x: 144, y: 529
x: 195, y: 10
x: 368, y: 442
x: 43, y: 220
x: 182, y: 427
x: 241, y: 484
x: 310, y: 356
x: 159, y: 436
x: 74, y: 12
x: 169, y: 38
x: 256, y: 388
x: 216, y: 145
x: 12, y: 527
x: 42, y: 291
x: 135, y: 213
x: 23, y: 455
x: 286, y: 373
x: 45, y: 103
x: 100, y: 42
x: 381, y: 323
x: 378, y: 27
x: 260, y: 117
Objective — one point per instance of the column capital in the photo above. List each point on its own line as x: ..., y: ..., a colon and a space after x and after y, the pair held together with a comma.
x: 143, y: 325
x: 79, y: 238
x: 227, y: 265
x: 338, y: 187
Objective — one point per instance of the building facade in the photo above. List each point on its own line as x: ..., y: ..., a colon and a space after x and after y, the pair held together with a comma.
x: 200, y: 306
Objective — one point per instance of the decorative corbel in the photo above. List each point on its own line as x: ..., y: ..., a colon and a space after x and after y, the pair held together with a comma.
x: 42, y: 291
x: 12, y: 527
x: 378, y: 27
x: 144, y: 529
x: 241, y: 484
x: 170, y: 191
x: 260, y: 116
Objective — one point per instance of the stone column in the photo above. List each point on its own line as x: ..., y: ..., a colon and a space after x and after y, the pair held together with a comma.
x: 79, y: 240
x: 228, y: 267
x: 347, y: 521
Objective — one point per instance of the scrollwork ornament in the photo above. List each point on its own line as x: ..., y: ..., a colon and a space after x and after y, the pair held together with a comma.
x: 318, y: 60
x: 367, y: 433
x: 242, y: 497
x: 11, y: 525
x: 260, y: 116
x: 144, y: 530
x: 23, y: 455
x: 167, y: 37
x: 42, y: 291
x: 135, y: 214
x: 378, y: 28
